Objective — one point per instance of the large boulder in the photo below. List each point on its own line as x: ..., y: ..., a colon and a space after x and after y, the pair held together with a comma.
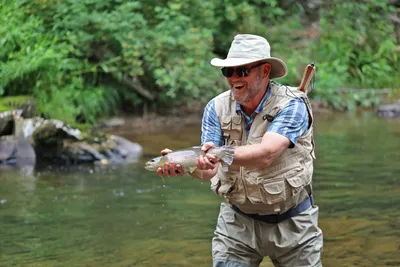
x: 58, y: 142
x: 25, y: 138
x: 25, y: 141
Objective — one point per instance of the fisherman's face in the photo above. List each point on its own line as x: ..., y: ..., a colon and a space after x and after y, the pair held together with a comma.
x: 246, y: 88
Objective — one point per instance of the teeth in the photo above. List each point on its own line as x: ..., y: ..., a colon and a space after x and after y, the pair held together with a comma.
x: 238, y: 85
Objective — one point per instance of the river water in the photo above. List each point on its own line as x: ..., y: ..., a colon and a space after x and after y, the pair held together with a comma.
x: 127, y: 216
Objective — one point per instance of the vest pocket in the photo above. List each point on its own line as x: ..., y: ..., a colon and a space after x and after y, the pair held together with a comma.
x: 226, y: 123
x: 237, y: 123
x: 268, y: 191
x: 274, y: 191
x: 274, y: 187
x: 295, y: 185
x: 231, y: 123
x: 225, y: 182
x: 232, y: 129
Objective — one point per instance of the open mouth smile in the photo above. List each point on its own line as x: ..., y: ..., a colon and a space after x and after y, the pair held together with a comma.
x: 238, y: 86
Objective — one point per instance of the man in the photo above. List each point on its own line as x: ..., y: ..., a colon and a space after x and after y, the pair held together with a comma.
x: 269, y: 209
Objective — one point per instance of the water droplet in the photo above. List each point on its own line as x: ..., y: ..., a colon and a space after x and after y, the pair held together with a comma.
x: 91, y: 171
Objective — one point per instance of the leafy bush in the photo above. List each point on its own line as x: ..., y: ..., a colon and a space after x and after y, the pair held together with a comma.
x: 357, y: 49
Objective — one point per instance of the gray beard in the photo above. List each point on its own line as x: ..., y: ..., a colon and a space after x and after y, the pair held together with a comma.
x: 252, y: 91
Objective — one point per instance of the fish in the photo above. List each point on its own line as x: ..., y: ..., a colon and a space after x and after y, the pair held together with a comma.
x: 187, y: 158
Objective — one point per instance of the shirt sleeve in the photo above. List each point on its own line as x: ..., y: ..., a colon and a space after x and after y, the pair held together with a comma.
x: 292, y: 121
x: 211, y: 128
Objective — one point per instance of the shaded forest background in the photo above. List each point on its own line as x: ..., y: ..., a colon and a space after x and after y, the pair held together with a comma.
x: 82, y: 59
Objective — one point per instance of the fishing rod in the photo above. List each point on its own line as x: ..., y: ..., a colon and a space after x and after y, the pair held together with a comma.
x: 309, y: 74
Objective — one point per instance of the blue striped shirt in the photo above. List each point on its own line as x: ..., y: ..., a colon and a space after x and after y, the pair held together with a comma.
x: 291, y: 121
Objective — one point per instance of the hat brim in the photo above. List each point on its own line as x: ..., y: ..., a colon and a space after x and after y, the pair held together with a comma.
x: 278, y: 67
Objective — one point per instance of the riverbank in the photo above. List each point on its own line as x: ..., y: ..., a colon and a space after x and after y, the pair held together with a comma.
x: 152, y: 122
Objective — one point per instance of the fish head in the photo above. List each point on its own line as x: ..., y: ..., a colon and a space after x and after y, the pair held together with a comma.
x: 154, y: 164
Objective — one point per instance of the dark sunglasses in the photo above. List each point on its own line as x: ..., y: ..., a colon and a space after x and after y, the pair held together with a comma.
x: 240, y: 71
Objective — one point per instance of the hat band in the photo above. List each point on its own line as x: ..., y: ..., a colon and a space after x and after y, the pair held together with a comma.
x: 247, y: 55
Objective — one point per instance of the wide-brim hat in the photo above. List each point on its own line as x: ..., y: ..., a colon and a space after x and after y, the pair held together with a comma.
x: 248, y: 48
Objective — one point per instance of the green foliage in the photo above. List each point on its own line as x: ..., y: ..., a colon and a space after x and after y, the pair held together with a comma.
x: 358, y: 49
x: 81, y: 59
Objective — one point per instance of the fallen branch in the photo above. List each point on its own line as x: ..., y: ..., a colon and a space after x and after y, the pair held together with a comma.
x: 131, y: 82
x: 135, y: 84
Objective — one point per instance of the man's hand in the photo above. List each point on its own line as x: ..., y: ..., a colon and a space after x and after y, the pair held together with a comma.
x: 207, y: 162
x: 169, y: 168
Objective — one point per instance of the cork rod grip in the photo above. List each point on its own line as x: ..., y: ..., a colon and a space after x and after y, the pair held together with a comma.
x: 308, y: 74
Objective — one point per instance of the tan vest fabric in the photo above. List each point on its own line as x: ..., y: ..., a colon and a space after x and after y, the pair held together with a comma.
x: 283, y: 184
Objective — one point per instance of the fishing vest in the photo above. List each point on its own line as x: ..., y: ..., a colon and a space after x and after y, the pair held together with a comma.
x: 283, y: 184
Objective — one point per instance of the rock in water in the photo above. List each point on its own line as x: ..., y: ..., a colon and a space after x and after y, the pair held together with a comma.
x: 16, y: 150
x: 389, y: 110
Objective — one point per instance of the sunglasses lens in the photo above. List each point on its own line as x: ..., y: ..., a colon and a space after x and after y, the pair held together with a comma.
x: 227, y: 72
x: 241, y: 72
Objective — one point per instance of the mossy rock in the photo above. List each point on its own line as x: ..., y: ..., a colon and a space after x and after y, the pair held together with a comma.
x: 26, y: 103
x: 83, y: 127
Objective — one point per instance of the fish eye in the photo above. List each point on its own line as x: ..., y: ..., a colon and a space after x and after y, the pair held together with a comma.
x: 152, y: 160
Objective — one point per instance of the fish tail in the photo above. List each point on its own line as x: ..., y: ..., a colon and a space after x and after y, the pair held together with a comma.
x: 227, y: 155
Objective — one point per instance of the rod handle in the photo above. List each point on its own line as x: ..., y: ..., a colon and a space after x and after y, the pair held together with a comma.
x: 308, y: 74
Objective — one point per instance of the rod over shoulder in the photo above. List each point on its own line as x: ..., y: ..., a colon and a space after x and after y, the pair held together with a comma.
x: 308, y: 75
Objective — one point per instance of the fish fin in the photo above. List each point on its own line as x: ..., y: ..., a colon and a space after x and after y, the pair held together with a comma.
x: 228, y: 154
x: 192, y: 169
x: 197, y: 173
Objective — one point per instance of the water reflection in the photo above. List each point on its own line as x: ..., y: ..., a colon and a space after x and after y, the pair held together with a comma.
x: 127, y: 216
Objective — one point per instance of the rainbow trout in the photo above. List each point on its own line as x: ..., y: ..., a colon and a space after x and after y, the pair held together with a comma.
x: 187, y: 157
